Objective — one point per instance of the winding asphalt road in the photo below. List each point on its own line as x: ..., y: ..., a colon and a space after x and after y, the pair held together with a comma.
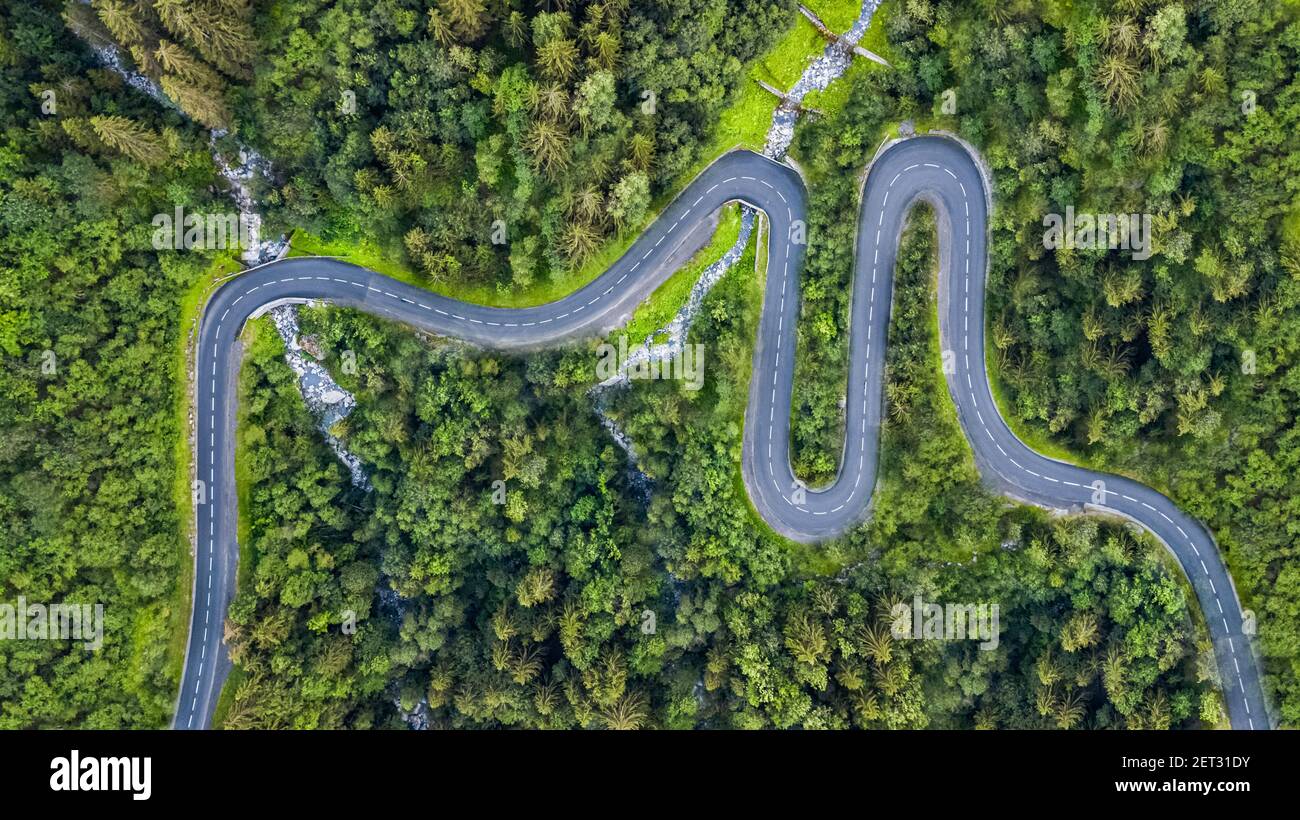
x: 935, y: 169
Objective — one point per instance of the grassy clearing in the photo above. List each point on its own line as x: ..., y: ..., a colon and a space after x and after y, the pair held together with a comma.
x: 875, y: 39
x: 669, y: 297
x: 178, y: 610
x: 839, y: 15
x: 834, y: 97
x: 743, y: 124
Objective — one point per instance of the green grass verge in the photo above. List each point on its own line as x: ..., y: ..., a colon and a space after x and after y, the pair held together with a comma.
x: 361, y: 252
x: 227, y: 697
x: 742, y: 124
x: 669, y: 297
x: 178, y: 609
x: 875, y: 39
x: 840, y: 16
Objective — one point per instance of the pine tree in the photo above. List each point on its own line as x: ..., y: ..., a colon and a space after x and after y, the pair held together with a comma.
x: 876, y: 643
x: 1080, y: 632
x: 223, y: 39
x: 144, y: 61
x: 628, y: 713
x: 516, y: 29
x: 549, y: 145
x: 558, y: 58
x: 175, y: 59
x: 580, y: 242
x: 605, y: 50
x: 119, y: 18
x: 537, y: 587
x: 526, y: 664
x: 553, y: 102
x: 1070, y: 711
x: 469, y: 18
x: 641, y: 151
x: 130, y: 138
x: 440, y: 29
x: 589, y: 205
x: 203, y: 104
x: 228, y: 45
x: 1119, y: 81
x: 81, y: 134
x: 805, y: 639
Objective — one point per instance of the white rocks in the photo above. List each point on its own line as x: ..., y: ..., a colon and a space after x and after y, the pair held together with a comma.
x: 112, y: 58
x: 834, y: 61
x: 817, y: 76
x: 326, y: 400
x: 680, y: 325
x: 417, y: 718
x: 239, y: 176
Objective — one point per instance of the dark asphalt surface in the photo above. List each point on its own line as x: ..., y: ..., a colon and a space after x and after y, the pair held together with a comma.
x: 936, y: 169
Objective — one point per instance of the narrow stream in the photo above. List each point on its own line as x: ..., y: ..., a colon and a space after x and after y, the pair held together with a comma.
x: 328, y: 402
x: 819, y: 74
x: 239, y: 174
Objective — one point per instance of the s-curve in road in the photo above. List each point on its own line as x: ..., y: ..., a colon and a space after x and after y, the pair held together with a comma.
x: 934, y: 169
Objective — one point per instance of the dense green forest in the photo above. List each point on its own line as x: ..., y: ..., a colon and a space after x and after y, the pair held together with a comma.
x: 426, y: 126
x: 568, y: 602
x: 1176, y: 369
x: 91, y: 315
x: 488, y: 141
x: 89, y: 328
